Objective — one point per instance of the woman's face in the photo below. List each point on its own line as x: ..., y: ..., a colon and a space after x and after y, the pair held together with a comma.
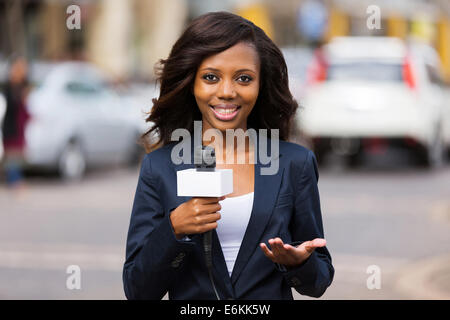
x: 226, y: 87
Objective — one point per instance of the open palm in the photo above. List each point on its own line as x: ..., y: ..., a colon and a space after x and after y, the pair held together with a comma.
x: 288, y: 255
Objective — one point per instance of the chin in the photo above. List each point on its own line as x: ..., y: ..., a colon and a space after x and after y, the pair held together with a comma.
x: 224, y: 125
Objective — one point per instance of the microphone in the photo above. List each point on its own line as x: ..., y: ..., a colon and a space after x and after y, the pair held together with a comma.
x: 205, y: 181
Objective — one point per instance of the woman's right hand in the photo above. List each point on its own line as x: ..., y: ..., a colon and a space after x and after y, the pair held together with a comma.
x: 197, y: 215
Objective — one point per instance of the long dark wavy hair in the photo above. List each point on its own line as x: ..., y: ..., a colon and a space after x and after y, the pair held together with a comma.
x: 207, y: 35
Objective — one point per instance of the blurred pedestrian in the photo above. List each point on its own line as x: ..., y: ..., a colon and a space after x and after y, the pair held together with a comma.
x: 14, y: 123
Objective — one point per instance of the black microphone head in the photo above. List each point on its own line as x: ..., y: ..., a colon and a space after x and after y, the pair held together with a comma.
x: 206, y: 156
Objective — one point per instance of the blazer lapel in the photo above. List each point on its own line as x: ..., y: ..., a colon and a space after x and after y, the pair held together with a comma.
x: 265, y: 193
x: 221, y: 272
x: 266, y: 189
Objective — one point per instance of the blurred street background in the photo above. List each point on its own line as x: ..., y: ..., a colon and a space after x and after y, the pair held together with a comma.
x: 372, y: 79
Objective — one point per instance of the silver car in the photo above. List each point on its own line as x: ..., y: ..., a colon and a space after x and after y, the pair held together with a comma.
x: 78, y: 121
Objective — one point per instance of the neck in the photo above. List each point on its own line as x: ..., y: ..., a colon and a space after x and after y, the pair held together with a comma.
x: 231, y: 145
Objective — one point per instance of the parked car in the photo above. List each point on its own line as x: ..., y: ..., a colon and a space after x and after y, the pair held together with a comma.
x: 297, y: 61
x: 369, y: 93
x: 79, y: 121
x: 139, y: 97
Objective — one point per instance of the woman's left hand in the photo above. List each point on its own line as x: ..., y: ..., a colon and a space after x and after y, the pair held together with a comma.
x: 288, y: 255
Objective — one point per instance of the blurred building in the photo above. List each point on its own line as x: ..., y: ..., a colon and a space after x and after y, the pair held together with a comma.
x: 127, y: 37
x: 123, y: 37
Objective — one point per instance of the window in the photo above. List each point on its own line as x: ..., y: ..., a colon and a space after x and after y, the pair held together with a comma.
x: 368, y: 71
x: 82, y: 88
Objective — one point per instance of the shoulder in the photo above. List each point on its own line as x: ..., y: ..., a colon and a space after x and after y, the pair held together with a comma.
x: 295, y: 152
x: 299, y: 159
x: 157, y: 160
x: 161, y: 154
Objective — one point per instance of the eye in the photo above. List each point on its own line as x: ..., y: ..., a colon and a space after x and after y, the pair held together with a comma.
x: 210, y: 77
x: 245, y: 78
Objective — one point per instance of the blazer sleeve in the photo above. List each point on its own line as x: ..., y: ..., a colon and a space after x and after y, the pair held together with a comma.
x: 315, y: 274
x: 154, y: 257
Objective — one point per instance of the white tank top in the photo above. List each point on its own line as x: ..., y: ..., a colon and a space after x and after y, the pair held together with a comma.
x: 235, y: 215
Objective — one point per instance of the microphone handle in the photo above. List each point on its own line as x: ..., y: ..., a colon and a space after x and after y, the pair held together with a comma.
x: 207, y: 246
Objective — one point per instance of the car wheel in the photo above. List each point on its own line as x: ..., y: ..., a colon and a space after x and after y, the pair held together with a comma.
x: 433, y: 157
x: 72, y: 163
x: 354, y: 160
x: 320, y: 154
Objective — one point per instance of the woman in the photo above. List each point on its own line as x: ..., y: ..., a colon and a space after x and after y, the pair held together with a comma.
x: 267, y: 235
x: 15, y: 121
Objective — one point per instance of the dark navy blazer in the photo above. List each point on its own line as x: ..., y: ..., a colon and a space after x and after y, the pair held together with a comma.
x: 285, y: 205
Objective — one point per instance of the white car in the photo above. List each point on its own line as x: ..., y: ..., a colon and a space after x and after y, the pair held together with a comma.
x: 369, y: 93
x: 297, y: 61
x: 78, y: 121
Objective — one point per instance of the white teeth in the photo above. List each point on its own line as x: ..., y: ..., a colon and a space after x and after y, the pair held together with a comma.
x: 225, y: 111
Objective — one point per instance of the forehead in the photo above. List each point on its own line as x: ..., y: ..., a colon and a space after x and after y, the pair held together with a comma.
x: 239, y: 56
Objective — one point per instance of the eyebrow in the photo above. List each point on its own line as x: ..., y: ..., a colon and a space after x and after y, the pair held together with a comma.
x: 217, y: 70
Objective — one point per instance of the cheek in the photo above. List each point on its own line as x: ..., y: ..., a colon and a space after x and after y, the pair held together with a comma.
x: 250, y: 94
x: 202, y: 93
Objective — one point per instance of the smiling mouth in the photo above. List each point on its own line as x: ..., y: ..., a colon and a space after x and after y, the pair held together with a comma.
x: 225, y: 112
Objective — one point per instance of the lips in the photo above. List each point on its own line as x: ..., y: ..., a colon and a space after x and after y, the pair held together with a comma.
x: 225, y: 112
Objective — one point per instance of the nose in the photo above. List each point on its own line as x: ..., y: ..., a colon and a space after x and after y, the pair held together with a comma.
x: 226, y: 90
